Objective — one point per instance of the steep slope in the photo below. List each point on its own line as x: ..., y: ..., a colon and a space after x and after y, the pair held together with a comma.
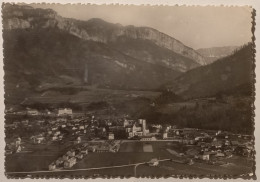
x: 147, y: 51
x: 38, y: 59
x: 223, y: 75
x: 214, y: 53
x: 179, y: 57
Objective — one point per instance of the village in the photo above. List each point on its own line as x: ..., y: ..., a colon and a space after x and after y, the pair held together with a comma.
x: 90, y: 134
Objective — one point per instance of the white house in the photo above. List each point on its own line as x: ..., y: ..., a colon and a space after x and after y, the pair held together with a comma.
x: 70, y: 162
x: 154, y: 162
x: 64, y: 111
x: 32, y: 112
x: 52, y: 167
x: 111, y: 136
x: 165, y: 135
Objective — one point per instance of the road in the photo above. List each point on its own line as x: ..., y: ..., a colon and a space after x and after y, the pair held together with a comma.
x: 87, y: 169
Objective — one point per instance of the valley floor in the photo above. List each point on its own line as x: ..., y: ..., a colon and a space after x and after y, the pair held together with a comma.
x: 123, y: 163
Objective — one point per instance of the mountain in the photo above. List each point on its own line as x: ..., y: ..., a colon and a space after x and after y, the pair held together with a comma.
x: 41, y: 59
x: 43, y: 50
x: 214, y: 53
x: 223, y: 76
x: 171, y: 52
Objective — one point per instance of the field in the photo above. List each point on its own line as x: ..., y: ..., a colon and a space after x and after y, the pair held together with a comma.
x: 38, y: 159
x: 131, y: 152
x: 147, y: 148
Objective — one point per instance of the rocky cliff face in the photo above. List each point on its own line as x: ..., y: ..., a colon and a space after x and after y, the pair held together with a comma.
x: 163, y: 40
x: 94, y: 29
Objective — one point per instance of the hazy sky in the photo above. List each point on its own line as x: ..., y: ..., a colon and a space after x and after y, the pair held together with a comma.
x: 197, y: 27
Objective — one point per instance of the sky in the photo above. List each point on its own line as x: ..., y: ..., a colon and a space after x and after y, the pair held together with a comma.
x: 196, y: 27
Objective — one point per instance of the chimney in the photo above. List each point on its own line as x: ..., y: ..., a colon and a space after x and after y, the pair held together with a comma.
x: 86, y: 74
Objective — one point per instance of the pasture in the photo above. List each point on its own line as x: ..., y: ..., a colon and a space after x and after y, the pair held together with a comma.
x: 90, y: 94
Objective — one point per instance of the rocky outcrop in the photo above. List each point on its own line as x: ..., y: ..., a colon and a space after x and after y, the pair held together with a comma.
x: 14, y: 23
x: 163, y: 40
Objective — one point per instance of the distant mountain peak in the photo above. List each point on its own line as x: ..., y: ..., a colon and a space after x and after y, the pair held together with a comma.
x: 214, y: 53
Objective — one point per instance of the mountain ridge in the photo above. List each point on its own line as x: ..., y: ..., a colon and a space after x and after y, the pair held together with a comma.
x: 21, y: 17
x: 212, y: 54
x: 224, y: 74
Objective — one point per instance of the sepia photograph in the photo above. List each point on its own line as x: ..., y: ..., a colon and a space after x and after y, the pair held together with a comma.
x: 128, y: 91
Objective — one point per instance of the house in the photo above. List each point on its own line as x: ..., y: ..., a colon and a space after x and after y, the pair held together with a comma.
x: 59, y: 161
x: 136, y: 127
x: 25, y: 122
x: 18, y: 141
x: 54, y: 128
x: 204, y: 156
x: 40, y: 121
x: 157, y: 126
x: 84, y: 151
x: 153, y: 162
x: 65, y: 157
x: 64, y: 111
x: 235, y: 143
x: 60, y: 137
x: 111, y: 136
x: 190, y: 162
x: 220, y: 154
x: 71, y: 153
x: 92, y: 149
x: 126, y: 123
x: 128, y: 129
x: 78, y: 140
x: 216, y: 144
x: 165, y: 135
x: 38, y: 139
x: 57, y: 133
x: 243, y: 151
x: 32, y: 112
x: 79, y: 156
x: 52, y: 167
x: 188, y: 141
x: 54, y: 138
x: 18, y: 149
x: 70, y: 162
x: 227, y: 143
x: 16, y: 123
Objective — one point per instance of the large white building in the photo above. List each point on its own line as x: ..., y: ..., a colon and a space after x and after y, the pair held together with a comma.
x: 137, y: 129
x: 64, y: 111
